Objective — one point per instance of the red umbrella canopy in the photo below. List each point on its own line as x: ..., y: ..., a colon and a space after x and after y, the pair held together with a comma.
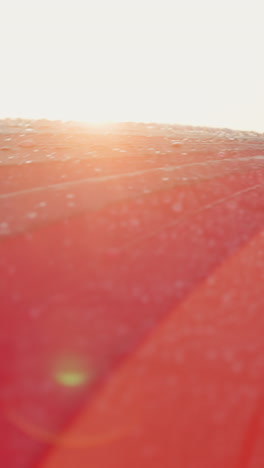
x: 131, y: 261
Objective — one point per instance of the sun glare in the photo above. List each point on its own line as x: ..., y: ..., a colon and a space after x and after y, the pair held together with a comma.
x: 189, y: 62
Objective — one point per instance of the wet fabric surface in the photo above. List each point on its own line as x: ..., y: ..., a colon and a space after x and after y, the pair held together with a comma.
x: 131, y: 298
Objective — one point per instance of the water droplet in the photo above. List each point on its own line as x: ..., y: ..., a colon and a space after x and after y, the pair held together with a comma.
x: 42, y: 204
x: 70, y: 195
x: 16, y: 297
x: 5, y: 148
x: 32, y: 215
x: 112, y: 252
x: 134, y: 222
x: 11, y: 269
x: 176, y: 143
x: 177, y: 207
x: 67, y: 242
x: 4, y: 228
x: 35, y: 312
x: 26, y: 144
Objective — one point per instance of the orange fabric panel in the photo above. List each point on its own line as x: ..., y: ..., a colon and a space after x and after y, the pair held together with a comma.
x: 192, y: 395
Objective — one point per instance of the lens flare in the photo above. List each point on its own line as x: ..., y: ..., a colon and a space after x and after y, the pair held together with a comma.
x: 71, y: 378
x: 72, y: 371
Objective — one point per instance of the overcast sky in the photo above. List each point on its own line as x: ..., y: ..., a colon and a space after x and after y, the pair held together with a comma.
x: 189, y: 62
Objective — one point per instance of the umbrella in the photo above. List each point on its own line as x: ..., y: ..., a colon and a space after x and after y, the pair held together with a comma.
x: 132, y: 322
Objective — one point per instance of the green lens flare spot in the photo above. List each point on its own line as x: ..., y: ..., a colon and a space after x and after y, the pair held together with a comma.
x: 72, y: 371
x: 71, y: 378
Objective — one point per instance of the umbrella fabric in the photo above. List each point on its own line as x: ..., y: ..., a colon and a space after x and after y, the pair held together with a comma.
x: 131, y: 300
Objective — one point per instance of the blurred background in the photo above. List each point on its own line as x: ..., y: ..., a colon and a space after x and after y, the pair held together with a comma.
x: 188, y: 62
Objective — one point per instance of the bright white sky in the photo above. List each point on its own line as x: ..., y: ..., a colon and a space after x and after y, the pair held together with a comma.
x: 197, y: 62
